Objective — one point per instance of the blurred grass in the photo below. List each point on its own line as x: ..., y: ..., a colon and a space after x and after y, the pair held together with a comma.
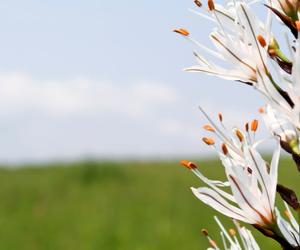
x: 109, y: 206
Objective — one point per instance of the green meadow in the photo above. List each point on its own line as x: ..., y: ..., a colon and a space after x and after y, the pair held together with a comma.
x: 110, y: 206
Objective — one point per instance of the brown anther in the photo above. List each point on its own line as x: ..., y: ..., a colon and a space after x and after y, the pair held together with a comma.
x: 224, y: 149
x: 211, y: 5
x: 254, y: 125
x: 182, y: 32
x: 204, y: 232
x: 208, y: 141
x: 247, y: 126
x: 232, y: 232
x: 287, y: 214
x: 239, y: 135
x: 209, y: 128
x: 198, y: 3
x: 189, y: 165
x: 261, y: 40
x: 220, y: 117
x: 297, y: 23
x: 261, y: 110
x: 249, y: 170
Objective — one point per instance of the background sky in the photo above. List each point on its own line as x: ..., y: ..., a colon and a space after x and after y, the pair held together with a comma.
x: 104, y: 79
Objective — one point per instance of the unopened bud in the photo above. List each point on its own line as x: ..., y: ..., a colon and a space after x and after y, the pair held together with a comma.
x: 182, y: 32
x: 208, y: 141
x: 209, y: 128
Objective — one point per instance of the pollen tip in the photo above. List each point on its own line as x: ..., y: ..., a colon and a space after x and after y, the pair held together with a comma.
x: 209, y: 128
x: 211, y: 5
x: 224, y: 149
x: 188, y: 164
x: 261, y: 40
x: 198, y: 3
x: 261, y: 110
x: 247, y: 126
x: 182, y: 32
x: 204, y: 231
x: 208, y: 141
x: 232, y: 232
x: 220, y: 117
x: 239, y: 135
x: 254, y: 125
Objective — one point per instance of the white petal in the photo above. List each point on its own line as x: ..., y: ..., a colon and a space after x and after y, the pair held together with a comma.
x: 213, y: 199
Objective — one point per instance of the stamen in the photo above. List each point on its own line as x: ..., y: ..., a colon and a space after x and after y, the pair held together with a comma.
x: 239, y: 135
x: 209, y: 128
x: 232, y: 232
x: 198, y: 3
x: 204, y: 232
x: 249, y: 170
x: 261, y: 40
x: 224, y: 149
x: 247, y: 127
x: 261, y: 110
x: 254, y: 125
x: 182, y: 32
x: 189, y: 165
x: 220, y: 117
x: 211, y: 5
x: 208, y: 141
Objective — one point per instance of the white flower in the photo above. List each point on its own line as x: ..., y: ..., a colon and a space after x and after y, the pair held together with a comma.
x: 235, y: 39
x: 252, y: 181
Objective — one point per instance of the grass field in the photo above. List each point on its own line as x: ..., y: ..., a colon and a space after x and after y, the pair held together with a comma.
x: 109, y: 206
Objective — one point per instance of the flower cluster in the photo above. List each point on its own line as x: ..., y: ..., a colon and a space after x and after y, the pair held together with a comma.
x: 253, y: 56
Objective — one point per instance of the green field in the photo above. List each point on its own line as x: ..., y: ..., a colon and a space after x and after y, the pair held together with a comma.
x: 109, y: 206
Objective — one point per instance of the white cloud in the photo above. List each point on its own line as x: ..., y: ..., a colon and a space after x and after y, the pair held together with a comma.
x: 20, y: 93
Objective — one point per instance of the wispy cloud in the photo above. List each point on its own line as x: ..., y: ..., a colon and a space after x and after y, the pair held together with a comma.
x: 20, y: 93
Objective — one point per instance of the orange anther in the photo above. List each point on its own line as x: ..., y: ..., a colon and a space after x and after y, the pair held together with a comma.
x: 188, y: 164
x: 183, y: 32
x: 209, y: 128
x: 208, y: 141
x: 261, y: 40
x: 254, y: 125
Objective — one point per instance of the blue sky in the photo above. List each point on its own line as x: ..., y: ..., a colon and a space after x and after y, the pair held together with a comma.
x: 103, y: 79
